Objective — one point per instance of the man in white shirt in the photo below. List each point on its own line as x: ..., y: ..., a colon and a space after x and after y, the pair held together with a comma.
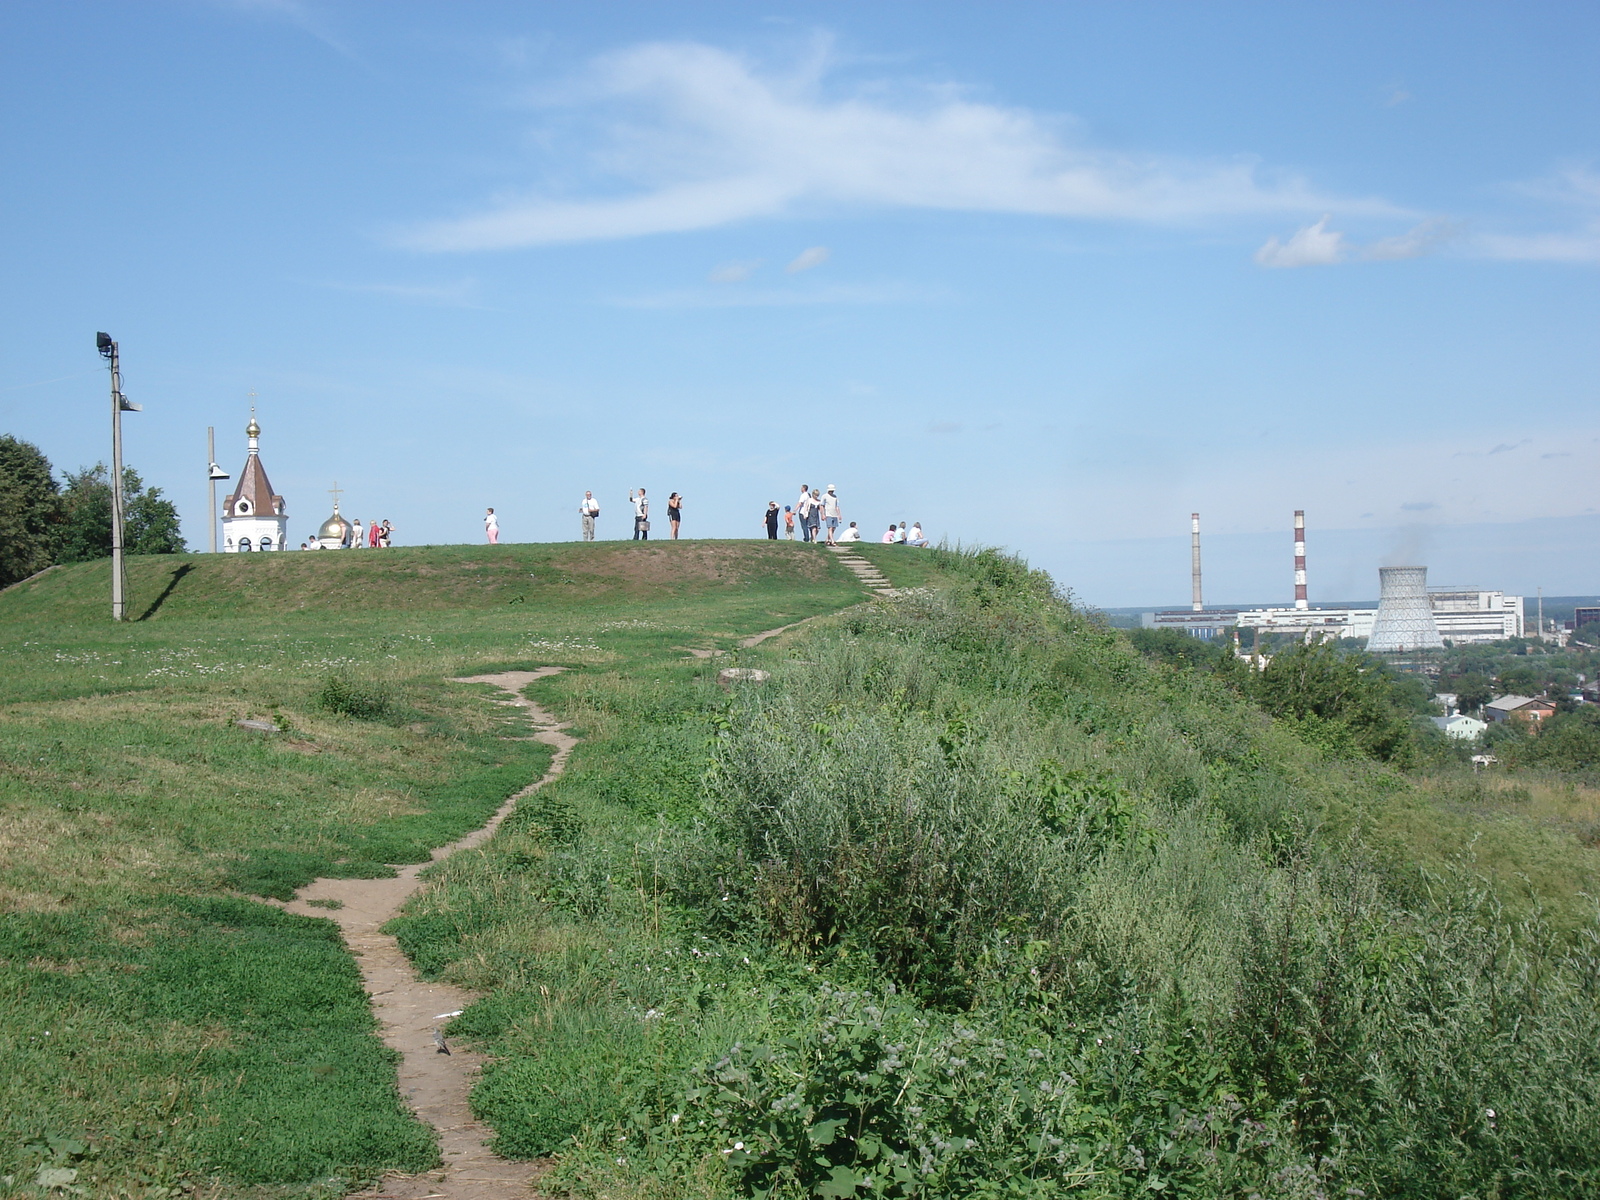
x: 588, y: 509
x: 830, y: 514
x: 802, y: 513
x: 641, y: 516
x: 851, y: 534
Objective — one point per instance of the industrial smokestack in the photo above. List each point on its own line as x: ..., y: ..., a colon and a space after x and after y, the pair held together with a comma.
x: 1405, y: 615
x: 1300, y: 559
x: 1194, y: 559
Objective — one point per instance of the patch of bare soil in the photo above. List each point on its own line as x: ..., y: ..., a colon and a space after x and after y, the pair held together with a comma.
x: 410, y: 1009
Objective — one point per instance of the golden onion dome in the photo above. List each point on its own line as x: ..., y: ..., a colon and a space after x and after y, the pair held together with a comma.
x: 334, y: 528
x: 252, y: 429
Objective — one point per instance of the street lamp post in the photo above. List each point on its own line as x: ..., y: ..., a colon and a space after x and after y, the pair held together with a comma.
x: 119, y: 405
x: 213, y: 473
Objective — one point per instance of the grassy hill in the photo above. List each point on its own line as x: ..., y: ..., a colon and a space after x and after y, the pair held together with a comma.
x: 472, y: 579
x: 967, y: 899
x: 162, y: 1029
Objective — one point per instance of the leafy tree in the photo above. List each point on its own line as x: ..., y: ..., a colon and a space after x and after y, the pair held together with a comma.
x: 1566, y: 742
x: 1346, y: 703
x: 150, y: 527
x: 30, y: 510
x: 1473, y: 692
x: 1179, y: 649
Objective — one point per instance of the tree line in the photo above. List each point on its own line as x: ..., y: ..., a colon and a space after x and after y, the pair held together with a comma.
x: 45, y: 521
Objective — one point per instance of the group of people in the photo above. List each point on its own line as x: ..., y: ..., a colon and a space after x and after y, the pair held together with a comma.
x: 819, y: 517
x: 589, y: 509
x: 816, y: 514
x: 374, y: 537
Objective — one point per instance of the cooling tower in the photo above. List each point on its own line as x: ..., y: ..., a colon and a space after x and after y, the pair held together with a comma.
x: 1405, y: 617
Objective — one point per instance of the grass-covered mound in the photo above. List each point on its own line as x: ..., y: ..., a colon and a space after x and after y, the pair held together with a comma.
x: 971, y: 899
x: 164, y: 1029
x: 422, y: 579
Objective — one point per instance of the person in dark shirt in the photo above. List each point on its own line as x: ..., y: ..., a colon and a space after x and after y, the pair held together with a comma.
x: 772, y: 520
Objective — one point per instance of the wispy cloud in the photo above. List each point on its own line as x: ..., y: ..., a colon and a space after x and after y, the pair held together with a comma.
x: 1575, y: 190
x: 734, y: 272
x: 1394, y: 95
x: 724, y: 297
x: 815, y: 256
x: 684, y: 136
x: 1313, y: 246
x: 1418, y: 506
x: 1318, y: 246
x: 1508, y: 447
x: 304, y: 17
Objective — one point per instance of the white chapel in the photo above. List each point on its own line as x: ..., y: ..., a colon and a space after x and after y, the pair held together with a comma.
x: 254, y: 518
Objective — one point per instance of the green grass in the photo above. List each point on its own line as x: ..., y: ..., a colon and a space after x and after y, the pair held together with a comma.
x: 200, y: 1037
x: 969, y: 868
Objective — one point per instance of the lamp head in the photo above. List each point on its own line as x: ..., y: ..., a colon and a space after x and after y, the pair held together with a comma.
x: 104, y: 344
x: 217, y: 472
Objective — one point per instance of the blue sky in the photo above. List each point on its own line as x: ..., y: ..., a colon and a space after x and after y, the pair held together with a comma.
x: 1043, y: 275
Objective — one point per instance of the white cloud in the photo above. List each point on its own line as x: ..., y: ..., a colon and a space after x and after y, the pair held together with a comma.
x: 1415, y: 242
x: 681, y: 136
x: 1313, y: 246
x: 724, y: 297
x: 734, y: 272
x: 1578, y: 190
x: 814, y: 256
x: 1318, y: 246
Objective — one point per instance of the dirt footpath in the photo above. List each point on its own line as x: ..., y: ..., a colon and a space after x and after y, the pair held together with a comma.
x: 409, y: 1009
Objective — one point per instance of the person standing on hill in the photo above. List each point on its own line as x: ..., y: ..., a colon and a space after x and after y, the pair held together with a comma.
x: 802, y: 512
x: 814, y: 517
x: 788, y: 522
x: 830, y: 514
x: 588, y: 510
x: 358, y: 536
x: 386, y: 533
x: 674, y: 513
x: 491, y: 528
x: 771, y: 519
x: 641, y: 516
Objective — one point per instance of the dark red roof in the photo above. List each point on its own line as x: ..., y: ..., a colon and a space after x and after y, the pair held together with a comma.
x: 255, y: 487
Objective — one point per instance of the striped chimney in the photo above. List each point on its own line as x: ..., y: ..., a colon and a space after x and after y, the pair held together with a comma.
x: 1300, y: 559
x: 1194, y: 559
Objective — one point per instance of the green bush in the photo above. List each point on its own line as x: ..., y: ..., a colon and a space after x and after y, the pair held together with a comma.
x: 365, y: 700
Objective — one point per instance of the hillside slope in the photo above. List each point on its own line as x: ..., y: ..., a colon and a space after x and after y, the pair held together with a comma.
x: 164, y: 1030
x: 419, y: 579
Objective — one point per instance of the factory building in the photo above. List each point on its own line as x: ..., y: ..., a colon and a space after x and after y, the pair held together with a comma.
x: 1468, y: 615
x: 1460, y: 616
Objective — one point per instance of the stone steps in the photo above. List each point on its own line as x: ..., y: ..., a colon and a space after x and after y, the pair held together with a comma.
x: 868, y: 574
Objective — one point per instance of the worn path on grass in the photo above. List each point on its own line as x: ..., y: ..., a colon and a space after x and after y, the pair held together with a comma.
x: 409, y: 1008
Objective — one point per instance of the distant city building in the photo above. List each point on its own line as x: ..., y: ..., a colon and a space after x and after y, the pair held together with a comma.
x: 1468, y: 615
x: 1310, y: 622
x: 1585, y: 616
x: 1520, y: 708
x: 1205, y: 624
x: 254, y: 517
x: 1459, y: 726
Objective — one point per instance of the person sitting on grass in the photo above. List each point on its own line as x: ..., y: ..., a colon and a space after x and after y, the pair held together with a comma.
x: 916, y: 537
x: 892, y: 536
x: 850, y: 533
